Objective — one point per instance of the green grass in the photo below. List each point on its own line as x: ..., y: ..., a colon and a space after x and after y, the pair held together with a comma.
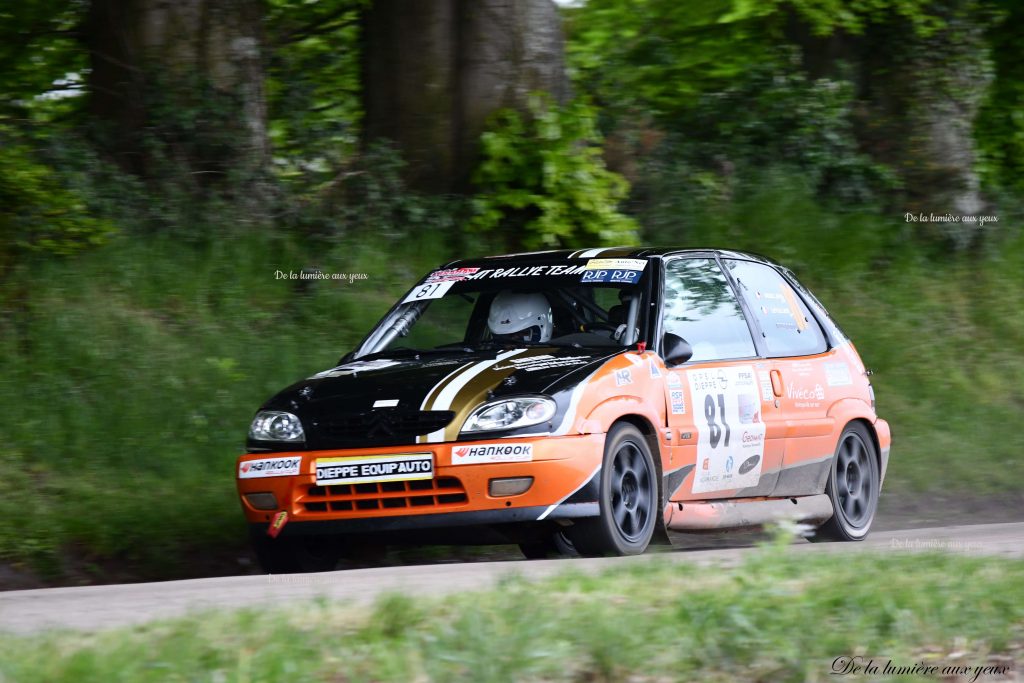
x: 775, y: 617
x: 129, y: 382
x: 128, y: 375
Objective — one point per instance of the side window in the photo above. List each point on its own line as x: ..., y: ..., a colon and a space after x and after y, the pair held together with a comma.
x: 827, y: 320
x: 789, y: 328
x: 701, y: 308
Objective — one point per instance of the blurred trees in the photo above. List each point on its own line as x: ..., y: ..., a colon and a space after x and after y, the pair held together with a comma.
x: 274, y: 107
x: 180, y: 83
x: 435, y: 70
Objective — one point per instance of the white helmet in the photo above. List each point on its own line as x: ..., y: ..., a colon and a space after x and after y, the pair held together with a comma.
x: 520, y: 317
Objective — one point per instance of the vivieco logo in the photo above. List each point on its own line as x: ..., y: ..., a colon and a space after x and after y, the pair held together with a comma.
x: 492, y: 452
x: 269, y: 467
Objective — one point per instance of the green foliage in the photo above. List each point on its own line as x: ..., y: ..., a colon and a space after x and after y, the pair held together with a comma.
x: 38, y: 46
x: 129, y: 374
x: 313, y: 86
x: 774, y: 116
x: 650, y: 620
x: 999, y: 127
x: 542, y: 182
x: 39, y: 213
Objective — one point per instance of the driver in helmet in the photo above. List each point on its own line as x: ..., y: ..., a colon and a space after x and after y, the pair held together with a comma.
x: 520, y: 317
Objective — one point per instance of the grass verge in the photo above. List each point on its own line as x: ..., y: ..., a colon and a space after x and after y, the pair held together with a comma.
x: 774, y: 617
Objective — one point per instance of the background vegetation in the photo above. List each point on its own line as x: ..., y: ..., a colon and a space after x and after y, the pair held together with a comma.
x: 149, y: 195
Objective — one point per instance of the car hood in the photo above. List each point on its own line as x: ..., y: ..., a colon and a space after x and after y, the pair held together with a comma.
x: 402, y: 385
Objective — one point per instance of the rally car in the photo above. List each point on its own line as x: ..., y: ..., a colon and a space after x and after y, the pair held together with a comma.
x: 572, y: 401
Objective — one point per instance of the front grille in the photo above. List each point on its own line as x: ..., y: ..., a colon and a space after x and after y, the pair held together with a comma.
x: 429, y: 493
x: 384, y: 426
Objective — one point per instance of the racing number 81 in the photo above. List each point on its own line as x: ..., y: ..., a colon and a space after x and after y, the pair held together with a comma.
x: 715, y: 433
x: 425, y: 291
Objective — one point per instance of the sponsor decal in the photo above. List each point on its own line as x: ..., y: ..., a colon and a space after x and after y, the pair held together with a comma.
x: 524, y: 271
x: 838, y: 374
x: 492, y: 452
x: 542, y: 362
x: 655, y: 371
x: 677, y: 401
x: 794, y: 307
x: 673, y: 380
x: 617, y: 276
x: 750, y: 463
x: 765, y: 380
x: 727, y: 414
x: 356, y: 366
x: 453, y: 274
x: 269, y: 467
x: 399, y: 467
x: 800, y: 393
x: 622, y: 377
x: 429, y: 290
x: 616, y: 264
x: 276, y: 524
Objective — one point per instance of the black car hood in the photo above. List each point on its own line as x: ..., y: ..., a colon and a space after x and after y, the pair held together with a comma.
x: 406, y: 388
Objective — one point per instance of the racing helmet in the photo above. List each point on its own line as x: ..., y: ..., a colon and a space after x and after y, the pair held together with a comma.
x: 517, y: 316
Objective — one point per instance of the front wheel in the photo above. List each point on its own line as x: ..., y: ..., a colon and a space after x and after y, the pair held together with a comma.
x: 853, y: 487
x: 628, y: 498
x: 550, y: 547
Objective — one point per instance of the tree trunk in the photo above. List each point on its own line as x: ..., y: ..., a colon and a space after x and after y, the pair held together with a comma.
x: 435, y: 70
x: 182, y: 82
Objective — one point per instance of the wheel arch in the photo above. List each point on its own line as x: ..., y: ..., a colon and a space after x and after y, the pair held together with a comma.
x: 870, y: 427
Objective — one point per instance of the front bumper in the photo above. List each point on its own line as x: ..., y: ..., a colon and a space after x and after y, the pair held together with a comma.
x: 564, y: 486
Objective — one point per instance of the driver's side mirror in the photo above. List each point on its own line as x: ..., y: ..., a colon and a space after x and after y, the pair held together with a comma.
x: 677, y: 350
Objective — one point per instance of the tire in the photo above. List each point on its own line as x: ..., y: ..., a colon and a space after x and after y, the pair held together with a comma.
x: 628, y: 498
x: 853, y: 487
x: 294, y: 555
x: 554, y: 546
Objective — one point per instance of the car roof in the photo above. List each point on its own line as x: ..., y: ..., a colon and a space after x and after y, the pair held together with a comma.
x: 612, y: 252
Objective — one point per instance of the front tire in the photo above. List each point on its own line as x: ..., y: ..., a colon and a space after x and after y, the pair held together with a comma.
x: 628, y: 498
x: 550, y: 547
x: 853, y: 487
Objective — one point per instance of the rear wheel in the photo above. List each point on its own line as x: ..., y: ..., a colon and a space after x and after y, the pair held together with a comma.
x: 628, y: 498
x: 294, y: 554
x: 853, y: 487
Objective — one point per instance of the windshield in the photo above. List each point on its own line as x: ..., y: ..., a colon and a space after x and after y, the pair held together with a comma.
x: 592, y: 303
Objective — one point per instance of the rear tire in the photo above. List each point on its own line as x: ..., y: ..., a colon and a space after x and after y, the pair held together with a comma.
x: 853, y: 487
x: 296, y: 554
x: 628, y: 498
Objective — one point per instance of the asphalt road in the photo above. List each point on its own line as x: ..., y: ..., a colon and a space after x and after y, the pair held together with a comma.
x: 101, y: 607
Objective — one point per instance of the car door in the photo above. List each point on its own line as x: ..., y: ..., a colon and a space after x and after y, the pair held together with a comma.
x: 715, y: 402
x: 801, y: 361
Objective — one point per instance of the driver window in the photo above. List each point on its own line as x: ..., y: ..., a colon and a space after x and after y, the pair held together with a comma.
x: 701, y: 308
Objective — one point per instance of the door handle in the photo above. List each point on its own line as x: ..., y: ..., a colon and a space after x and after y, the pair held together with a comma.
x: 777, y: 383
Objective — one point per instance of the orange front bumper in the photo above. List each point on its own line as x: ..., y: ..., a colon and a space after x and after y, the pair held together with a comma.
x: 563, y: 470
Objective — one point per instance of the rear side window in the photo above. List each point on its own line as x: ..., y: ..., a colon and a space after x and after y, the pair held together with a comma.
x: 788, y: 327
x: 701, y: 308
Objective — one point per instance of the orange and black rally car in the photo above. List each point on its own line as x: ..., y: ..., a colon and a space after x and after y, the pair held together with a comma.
x: 573, y: 401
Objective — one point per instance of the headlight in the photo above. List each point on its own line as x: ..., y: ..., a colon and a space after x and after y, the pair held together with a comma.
x: 510, y: 413
x: 273, y: 425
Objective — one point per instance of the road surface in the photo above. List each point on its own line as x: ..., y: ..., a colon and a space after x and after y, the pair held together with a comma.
x: 101, y: 607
